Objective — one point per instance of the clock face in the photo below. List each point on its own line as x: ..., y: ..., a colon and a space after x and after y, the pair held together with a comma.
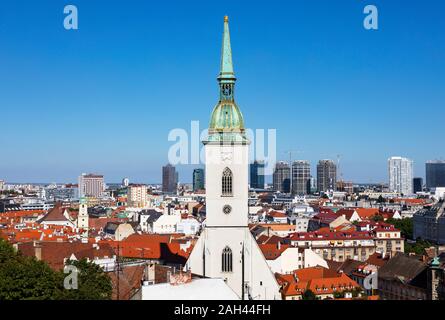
x: 226, y: 156
x: 227, y: 209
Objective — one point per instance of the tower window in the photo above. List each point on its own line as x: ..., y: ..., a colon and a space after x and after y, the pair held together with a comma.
x: 226, y: 265
x: 227, y: 179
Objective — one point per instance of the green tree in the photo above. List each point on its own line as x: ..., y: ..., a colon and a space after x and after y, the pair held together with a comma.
x: 378, y: 218
x: 309, y: 295
x: 404, y: 225
x: 7, y: 252
x: 25, y: 278
x: 418, y: 247
x: 338, y: 295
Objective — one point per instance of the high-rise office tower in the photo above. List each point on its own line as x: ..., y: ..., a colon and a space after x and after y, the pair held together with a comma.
x: 91, y: 185
x: 326, y: 175
x: 257, y: 175
x: 198, y: 179
x: 281, y: 177
x: 417, y: 185
x: 400, y: 171
x: 301, y: 177
x: 169, y: 179
x: 125, y: 182
x: 435, y: 174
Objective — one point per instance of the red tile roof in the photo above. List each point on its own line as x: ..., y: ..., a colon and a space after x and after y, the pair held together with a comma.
x: 54, y: 253
x: 130, y: 281
x: 273, y: 251
x: 150, y: 246
x: 367, y: 213
x: 377, y: 260
x: 276, y: 214
x: 410, y: 201
x: 55, y: 214
x: 319, y: 280
x: 326, y: 217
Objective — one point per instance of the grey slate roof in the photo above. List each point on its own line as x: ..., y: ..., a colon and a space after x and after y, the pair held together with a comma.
x: 402, y: 267
x: 153, y: 215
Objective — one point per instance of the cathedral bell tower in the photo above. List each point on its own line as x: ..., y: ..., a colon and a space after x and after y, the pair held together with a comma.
x: 226, y: 151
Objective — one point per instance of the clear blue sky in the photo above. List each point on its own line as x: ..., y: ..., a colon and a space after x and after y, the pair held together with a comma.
x: 103, y: 98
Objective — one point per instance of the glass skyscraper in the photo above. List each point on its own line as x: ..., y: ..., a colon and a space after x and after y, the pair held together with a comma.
x: 198, y: 179
x: 169, y: 179
x: 417, y: 185
x: 257, y: 175
x: 435, y: 174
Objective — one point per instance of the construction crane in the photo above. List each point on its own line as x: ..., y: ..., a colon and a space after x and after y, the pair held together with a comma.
x: 340, y: 173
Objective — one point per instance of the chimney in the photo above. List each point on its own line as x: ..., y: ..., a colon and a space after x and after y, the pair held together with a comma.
x: 38, y: 250
x: 279, y: 245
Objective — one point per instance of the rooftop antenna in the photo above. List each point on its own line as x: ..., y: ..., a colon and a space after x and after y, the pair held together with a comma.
x: 118, y: 270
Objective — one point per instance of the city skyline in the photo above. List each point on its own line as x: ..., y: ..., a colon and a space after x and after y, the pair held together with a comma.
x: 79, y: 79
x: 268, y: 179
x: 251, y: 225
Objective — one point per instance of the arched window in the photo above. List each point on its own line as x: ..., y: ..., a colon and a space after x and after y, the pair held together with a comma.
x: 226, y: 265
x: 227, y: 178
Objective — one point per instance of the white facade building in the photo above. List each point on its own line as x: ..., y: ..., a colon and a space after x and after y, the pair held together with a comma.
x: 400, y: 172
x: 439, y: 193
x: 82, y: 218
x: 91, y: 185
x: 197, y: 289
x: 137, y: 196
x: 293, y: 259
x: 166, y: 223
x: 188, y: 226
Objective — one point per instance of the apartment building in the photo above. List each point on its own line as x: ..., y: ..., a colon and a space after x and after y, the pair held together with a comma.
x: 137, y: 196
x: 335, y: 245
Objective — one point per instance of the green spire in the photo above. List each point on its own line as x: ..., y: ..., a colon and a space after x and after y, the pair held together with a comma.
x: 226, y: 123
x: 226, y: 73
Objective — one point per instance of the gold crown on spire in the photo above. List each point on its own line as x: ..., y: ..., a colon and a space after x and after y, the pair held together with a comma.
x: 226, y: 18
